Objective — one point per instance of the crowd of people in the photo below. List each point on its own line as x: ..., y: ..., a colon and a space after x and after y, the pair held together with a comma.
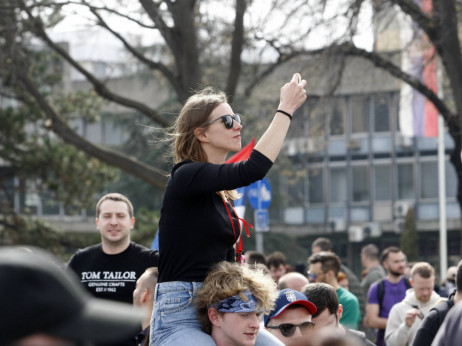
x: 234, y: 305
x: 205, y: 289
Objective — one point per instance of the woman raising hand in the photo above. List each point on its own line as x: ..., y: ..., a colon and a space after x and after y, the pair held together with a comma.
x: 198, y: 227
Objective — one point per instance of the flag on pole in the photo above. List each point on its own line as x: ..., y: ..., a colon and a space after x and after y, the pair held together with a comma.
x: 417, y: 115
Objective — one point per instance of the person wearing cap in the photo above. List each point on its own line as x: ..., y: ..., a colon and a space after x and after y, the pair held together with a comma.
x: 329, y: 312
x: 290, y: 319
x: 43, y: 304
x: 110, y: 269
x: 231, y: 302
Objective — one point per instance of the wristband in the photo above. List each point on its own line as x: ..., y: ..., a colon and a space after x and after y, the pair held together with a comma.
x: 285, y: 113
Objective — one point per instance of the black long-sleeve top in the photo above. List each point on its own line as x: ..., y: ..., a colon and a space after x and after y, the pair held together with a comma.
x: 195, y: 230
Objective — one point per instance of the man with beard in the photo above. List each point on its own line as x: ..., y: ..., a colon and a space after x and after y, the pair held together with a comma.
x: 354, y: 285
x: 110, y: 269
x: 324, y: 267
x: 385, y: 293
x: 437, y: 314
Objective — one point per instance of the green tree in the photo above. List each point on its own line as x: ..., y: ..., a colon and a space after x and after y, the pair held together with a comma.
x: 409, y: 240
x: 35, y: 162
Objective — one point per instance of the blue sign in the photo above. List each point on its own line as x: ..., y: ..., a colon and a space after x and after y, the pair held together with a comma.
x: 261, y: 220
x: 241, y: 201
x: 259, y: 194
x: 155, y: 242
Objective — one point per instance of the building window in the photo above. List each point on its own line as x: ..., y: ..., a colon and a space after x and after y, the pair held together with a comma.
x: 337, y: 119
x: 381, y: 114
x: 338, y: 185
x: 405, y: 181
x: 295, y: 188
x: 113, y: 132
x: 360, y: 184
x: 429, y: 179
x: 315, y: 186
x: 317, y: 118
x: 359, y: 114
x: 382, y: 182
x: 451, y: 180
x: 93, y: 132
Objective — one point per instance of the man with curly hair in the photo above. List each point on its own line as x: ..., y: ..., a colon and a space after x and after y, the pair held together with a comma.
x: 231, y: 302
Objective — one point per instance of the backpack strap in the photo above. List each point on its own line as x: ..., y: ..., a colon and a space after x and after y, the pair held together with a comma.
x: 381, y: 290
x: 407, y: 282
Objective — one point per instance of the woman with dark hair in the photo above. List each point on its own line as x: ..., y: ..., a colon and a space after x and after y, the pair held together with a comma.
x: 198, y: 226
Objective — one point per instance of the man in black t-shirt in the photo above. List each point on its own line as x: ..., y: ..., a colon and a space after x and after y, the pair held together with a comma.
x: 110, y: 269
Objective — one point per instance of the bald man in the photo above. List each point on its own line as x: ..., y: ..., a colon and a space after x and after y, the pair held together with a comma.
x: 292, y: 280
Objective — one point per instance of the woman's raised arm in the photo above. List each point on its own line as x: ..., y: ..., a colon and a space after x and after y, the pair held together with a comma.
x: 293, y: 95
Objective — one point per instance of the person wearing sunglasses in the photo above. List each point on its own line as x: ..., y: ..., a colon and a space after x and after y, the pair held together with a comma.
x: 231, y: 302
x: 324, y: 267
x: 290, y: 319
x: 198, y: 227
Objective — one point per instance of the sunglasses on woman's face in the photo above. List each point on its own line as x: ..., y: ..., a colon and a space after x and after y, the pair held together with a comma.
x: 228, y: 120
x: 288, y: 329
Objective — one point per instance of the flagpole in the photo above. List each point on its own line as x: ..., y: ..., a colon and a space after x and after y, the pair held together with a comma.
x: 442, y: 185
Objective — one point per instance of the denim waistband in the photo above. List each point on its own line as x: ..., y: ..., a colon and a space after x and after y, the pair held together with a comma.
x: 178, y: 286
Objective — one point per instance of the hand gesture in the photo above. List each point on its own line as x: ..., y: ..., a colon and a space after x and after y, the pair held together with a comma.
x: 293, y: 94
x: 411, y: 316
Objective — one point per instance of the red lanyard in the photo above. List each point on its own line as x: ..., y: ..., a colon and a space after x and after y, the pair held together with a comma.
x: 239, y: 255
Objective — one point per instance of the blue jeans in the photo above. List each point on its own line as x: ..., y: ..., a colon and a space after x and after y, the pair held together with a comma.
x: 174, y: 318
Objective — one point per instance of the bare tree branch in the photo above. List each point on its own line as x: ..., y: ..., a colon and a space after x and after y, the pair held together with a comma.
x: 425, y: 22
x: 151, y: 64
x: 397, y: 72
x: 153, y: 12
x: 236, y: 49
x: 282, y: 59
x: 99, y: 87
x: 110, y: 10
x: 181, y: 38
x: 128, y: 164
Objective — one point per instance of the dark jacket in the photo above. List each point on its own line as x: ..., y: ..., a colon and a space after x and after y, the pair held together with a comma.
x: 432, y: 322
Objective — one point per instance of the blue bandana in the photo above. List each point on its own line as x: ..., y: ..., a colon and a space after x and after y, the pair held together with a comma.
x: 237, y: 304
